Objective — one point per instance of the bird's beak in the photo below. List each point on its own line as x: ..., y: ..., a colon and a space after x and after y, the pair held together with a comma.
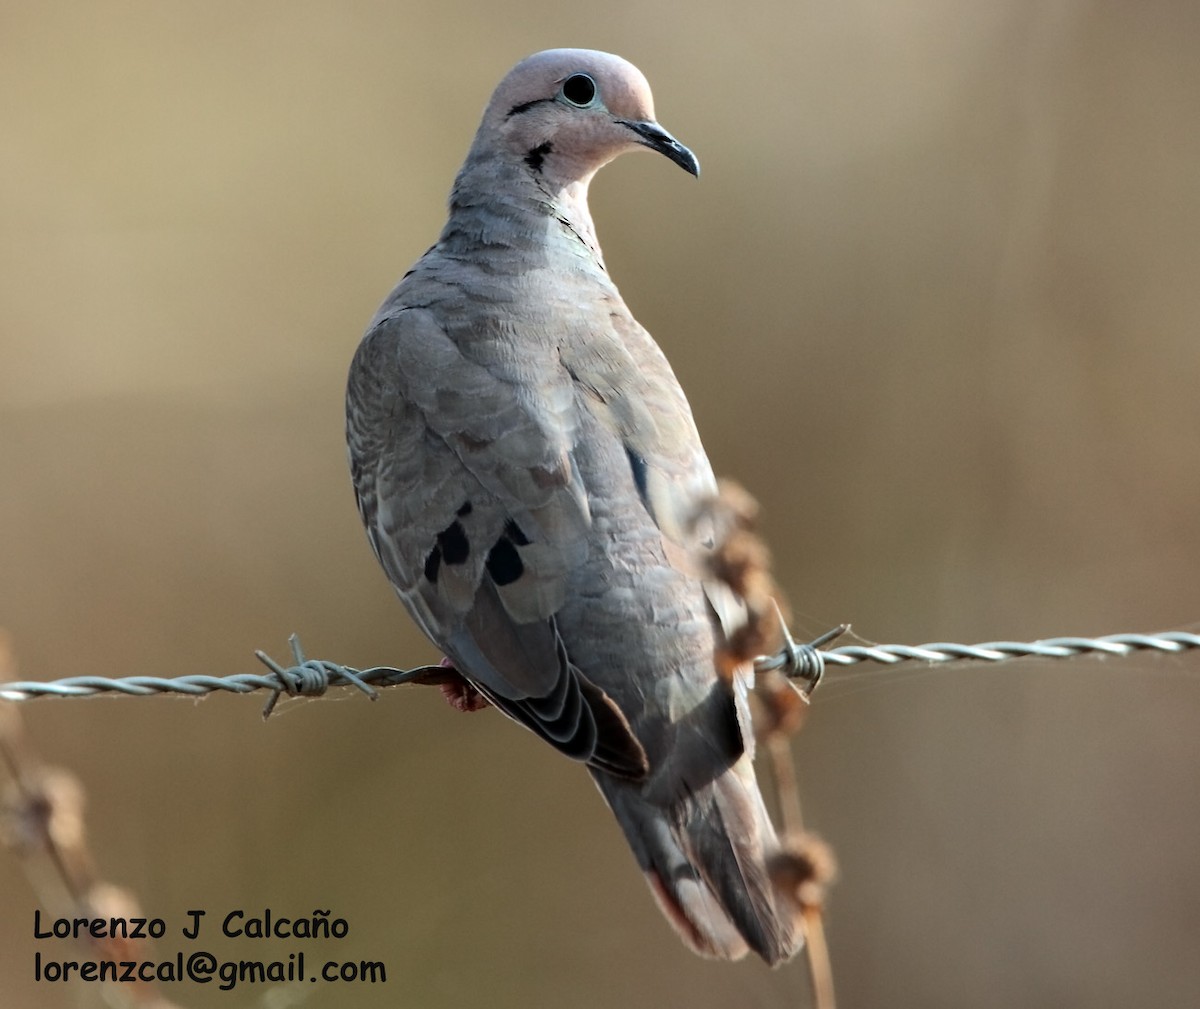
x: 657, y: 139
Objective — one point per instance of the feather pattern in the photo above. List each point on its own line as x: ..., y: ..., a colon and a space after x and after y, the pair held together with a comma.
x: 527, y: 468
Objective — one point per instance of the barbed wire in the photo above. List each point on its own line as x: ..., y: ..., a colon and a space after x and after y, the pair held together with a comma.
x: 798, y: 661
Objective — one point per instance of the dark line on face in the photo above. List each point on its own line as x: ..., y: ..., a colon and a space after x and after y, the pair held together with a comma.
x: 516, y: 110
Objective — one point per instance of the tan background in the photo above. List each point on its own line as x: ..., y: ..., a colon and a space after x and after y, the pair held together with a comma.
x: 935, y: 300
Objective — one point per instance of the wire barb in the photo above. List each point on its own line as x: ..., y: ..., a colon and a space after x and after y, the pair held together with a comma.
x: 799, y: 661
x: 805, y: 662
x: 307, y: 678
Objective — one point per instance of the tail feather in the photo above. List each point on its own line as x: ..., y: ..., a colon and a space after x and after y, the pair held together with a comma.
x: 706, y: 859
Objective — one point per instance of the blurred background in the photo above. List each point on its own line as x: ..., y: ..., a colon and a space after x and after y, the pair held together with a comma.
x: 934, y: 300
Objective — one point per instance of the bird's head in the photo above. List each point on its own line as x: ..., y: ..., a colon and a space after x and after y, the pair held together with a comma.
x: 565, y: 113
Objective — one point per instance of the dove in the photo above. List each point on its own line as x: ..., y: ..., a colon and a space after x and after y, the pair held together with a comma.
x: 529, y: 474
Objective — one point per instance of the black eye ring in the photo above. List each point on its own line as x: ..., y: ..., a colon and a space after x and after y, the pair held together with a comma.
x: 579, y: 90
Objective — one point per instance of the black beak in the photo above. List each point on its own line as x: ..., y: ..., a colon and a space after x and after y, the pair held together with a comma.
x: 657, y: 139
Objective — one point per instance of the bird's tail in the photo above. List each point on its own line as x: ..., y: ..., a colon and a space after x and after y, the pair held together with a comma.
x: 707, y: 859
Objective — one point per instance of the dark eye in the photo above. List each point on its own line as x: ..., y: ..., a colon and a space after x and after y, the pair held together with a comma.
x: 579, y: 90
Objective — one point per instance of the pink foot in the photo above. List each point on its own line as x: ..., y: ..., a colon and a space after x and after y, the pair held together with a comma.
x: 459, y: 693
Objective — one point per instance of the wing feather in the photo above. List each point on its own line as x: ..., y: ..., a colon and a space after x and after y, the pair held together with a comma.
x: 478, y: 515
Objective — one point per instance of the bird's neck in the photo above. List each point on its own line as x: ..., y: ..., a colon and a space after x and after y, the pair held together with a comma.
x: 509, y: 204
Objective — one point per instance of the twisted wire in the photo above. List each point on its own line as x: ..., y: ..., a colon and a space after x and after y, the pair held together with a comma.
x: 805, y: 662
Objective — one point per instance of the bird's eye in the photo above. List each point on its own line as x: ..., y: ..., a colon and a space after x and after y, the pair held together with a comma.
x: 579, y: 90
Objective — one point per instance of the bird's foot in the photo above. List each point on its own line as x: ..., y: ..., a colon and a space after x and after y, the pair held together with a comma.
x: 458, y: 691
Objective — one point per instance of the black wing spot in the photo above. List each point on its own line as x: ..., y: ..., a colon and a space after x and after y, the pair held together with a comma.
x: 638, y: 466
x: 454, y: 545
x: 465, y: 510
x: 433, y: 564
x: 514, y: 533
x: 504, y: 563
x: 535, y: 157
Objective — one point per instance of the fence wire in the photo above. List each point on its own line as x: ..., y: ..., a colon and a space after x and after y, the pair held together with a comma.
x: 804, y: 662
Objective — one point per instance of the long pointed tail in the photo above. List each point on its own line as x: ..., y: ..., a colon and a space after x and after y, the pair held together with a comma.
x: 706, y: 858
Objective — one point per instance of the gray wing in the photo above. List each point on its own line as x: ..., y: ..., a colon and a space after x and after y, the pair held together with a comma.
x: 631, y: 390
x: 471, y: 500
